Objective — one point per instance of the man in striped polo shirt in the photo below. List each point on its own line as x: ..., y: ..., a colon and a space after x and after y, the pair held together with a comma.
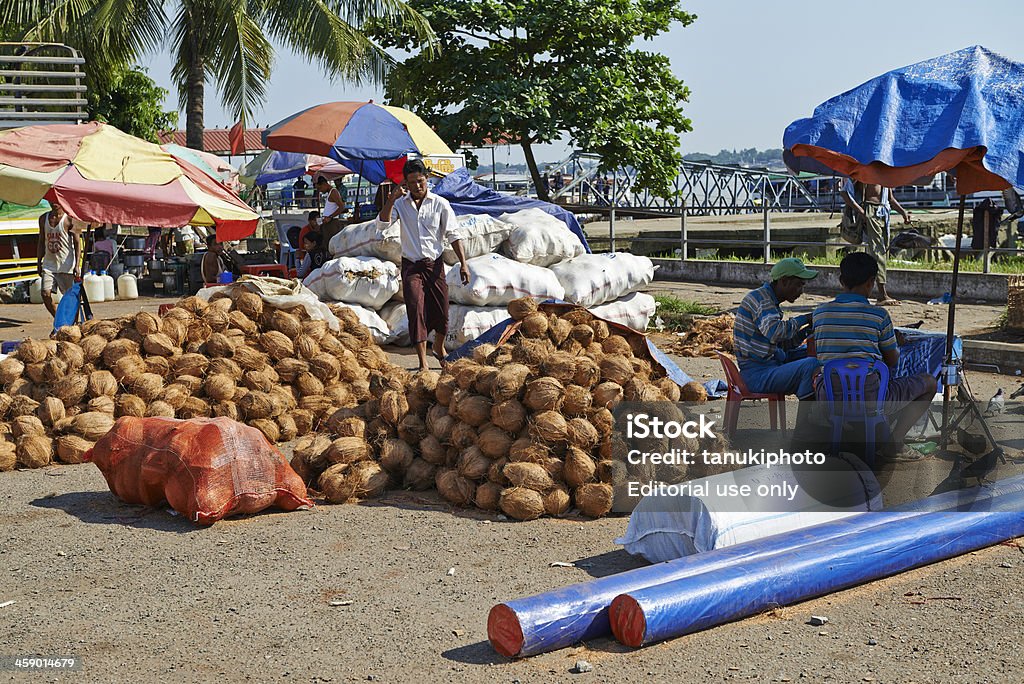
x: 769, y: 348
x: 851, y: 327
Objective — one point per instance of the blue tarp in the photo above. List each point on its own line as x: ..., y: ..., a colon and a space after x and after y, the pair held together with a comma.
x: 966, y: 99
x: 469, y: 197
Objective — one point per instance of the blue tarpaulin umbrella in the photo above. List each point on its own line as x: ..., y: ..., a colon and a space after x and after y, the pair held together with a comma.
x: 962, y: 112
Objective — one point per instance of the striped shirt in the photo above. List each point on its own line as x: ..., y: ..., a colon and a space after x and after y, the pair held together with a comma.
x: 849, y: 326
x: 760, y: 332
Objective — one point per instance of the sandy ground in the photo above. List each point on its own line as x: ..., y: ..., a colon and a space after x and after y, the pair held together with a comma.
x: 141, y: 595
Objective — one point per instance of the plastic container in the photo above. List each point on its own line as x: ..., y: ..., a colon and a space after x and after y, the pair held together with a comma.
x: 35, y: 291
x: 226, y: 277
x: 108, y: 287
x: 93, y: 286
x: 127, y: 287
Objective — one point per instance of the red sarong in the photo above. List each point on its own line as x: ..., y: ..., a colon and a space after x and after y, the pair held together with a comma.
x: 425, y: 291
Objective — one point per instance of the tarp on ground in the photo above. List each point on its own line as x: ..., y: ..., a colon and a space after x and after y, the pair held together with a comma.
x: 469, y: 197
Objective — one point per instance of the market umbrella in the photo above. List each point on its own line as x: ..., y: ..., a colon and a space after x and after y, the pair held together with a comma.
x: 213, y: 165
x: 100, y: 174
x: 271, y: 166
x: 962, y: 112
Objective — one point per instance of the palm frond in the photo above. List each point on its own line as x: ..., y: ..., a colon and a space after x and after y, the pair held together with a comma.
x: 242, y: 62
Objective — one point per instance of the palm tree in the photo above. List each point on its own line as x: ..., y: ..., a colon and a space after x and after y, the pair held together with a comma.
x: 226, y: 42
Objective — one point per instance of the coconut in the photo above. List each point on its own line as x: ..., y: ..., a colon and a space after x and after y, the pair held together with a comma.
x: 92, y: 425
x: 521, y: 503
x: 579, y: 467
x: 419, y: 476
x: 267, y: 426
x: 21, y: 387
x: 28, y: 425
x: 509, y: 415
x: 435, y: 414
x: 11, y: 369
x: 249, y: 304
x: 315, y: 329
x: 69, y: 333
x: 158, y: 365
x: 535, y: 325
x: 494, y: 442
x: 219, y: 387
x: 557, y: 501
x: 531, y: 352
x: 8, y: 455
x: 467, y: 374
x: 370, y: 479
x: 348, y: 450
x: 34, y: 451
x: 226, y: 409
x: 693, y: 391
x: 50, y: 410
x: 616, y: 344
x: 583, y: 334
x: 525, y: 450
x: 71, y: 448
x: 544, y: 394
x: 549, y: 426
x: 176, y: 330
x: 71, y: 354
x: 194, y: 407
x: 520, y: 308
x: 485, y: 380
x: 412, y: 429
x: 307, y: 474
x: 529, y: 475
x: 603, y: 420
x: 473, y: 464
x: 641, y: 367
x: 216, y: 319
x: 221, y: 301
x: 482, y: 353
x: 472, y: 409
x: 393, y: 406
x: 607, y: 395
x: 578, y: 316
x: 92, y: 346
x: 146, y: 323
x: 160, y: 409
x: 277, y: 345
x: 454, y: 488
x: 306, y: 346
x: 317, y: 403
x: 130, y: 405
x: 159, y: 344
x: 432, y: 450
x: 496, y: 473
x: 5, y: 405
x: 462, y: 436
x: 577, y: 401
x: 395, y: 456
x: 559, y: 365
x: 101, y: 404
x: 668, y: 388
x: 594, y: 499
x: 249, y: 358
x: 445, y: 389
x: 190, y: 364
x: 304, y: 421
x: 510, y: 381
x: 307, y: 384
x: 582, y: 434
x: 335, y: 484
x: 487, y: 496
x: 32, y: 351
x: 148, y: 386
x: 344, y: 423
x: 193, y: 305
x: 558, y: 329
x: 175, y: 395
x: 71, y: 389
x: 290, y: 369
x: 40, y: 392
x: 327, y: 368
x: 239, y: 321
x: 34, y: 372
x: 616, y: 369
x: 313, y: 448
x: 224, y: 367
x: 255, y: 404
x: 54, y: 369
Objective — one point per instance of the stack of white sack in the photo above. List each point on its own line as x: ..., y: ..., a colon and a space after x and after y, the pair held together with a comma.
x: 634, y: 310
x: 495, y: 281
x: 395, y: 316
x: 369, y: 239
x: 539, y: 238
x: 467, y: 323
x: 479, y: 234
x: 362, y: 280
x: 593, y: 279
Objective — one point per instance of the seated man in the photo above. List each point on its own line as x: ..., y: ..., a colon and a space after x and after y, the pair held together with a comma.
x: 768, y: 348
x: 217, y: 260
x: 314, y: 255
x: 850, y: 327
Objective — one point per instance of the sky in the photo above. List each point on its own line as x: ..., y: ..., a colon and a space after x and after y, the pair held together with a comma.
x: 752, y: 66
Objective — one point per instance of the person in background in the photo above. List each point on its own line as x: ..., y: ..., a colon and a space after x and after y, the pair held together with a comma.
x: 184, y: 241
x: 60, y: 254
x: 768, y: 346
x: 102, y: 249
x: 333, y: 207
x: 217, y: 260
x: 299, y: 188
x: 850, y: 327
x: 314, y: 255
x: 312, y: 226
x: 873, y: 211
x: 152, y: 242
x: 427, y: 219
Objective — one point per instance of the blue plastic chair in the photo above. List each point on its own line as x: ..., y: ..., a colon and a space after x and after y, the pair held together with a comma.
x: 854, y: 406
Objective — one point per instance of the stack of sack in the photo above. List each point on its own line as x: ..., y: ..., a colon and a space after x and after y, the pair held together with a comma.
x: 529, y: 253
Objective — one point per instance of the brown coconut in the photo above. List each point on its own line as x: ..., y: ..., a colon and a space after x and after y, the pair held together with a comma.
x: 594, y: 499
x: 8, y: 455
x: 34, y: 451
x: 216, y: 318
x: 71, y: 388
x: 473, y: 464
x: 249, y: 304
x: 535, y: 326
x: 290, y: 369
x: 616, y: 369
x: 327, y: 368
x: 54, y: 369
x: 393, y: 406
x: 412, y: 429
x: 485, y: 380
x: 277, y: 345
x: 348, y: 450
x: 544, y: 394
x: 92, y: 346
x: 313, y: 448
x: 520, y: 308
x: 395, y: 456
x: 579, y: 467
x: 92, y: 425
x: 194, y: 407
x: 488, y: 496
x: 285, y: 323
x: 239, y: 321
x: 34, y: 372
x: 549, y: 426
x: 582, y: 434
x: 51, y: 410
x: 463, y: 435
x: 159, y: 409
x: 304, y: 421
x: 159, y: 344
x: 693, y: 391
x: 28, y: 425
x: 419, y: 476
x: 219, y: 387
x: 521, y: 503
x: 445, y: 389
x: 472, y: 409
x: 40, y: 392
x: 335, y: 484
x: 190, y: 364
x: 454, y: 488
x: 603, y: 420
x: 531, y: 352
x: 509, y: 415
x: 317, y: 403
x: 254, y: 404
x: 249, y: 358
x: 496, y: 473
x: 530, y: 475
x: 607, y: 395
x: 101, y: 383
x: 226, y: 409
x: 118, y: 349
x: 526, y: 450
x: 71, y: 448
x: 510, y: 381
x: 5, y: 405
x: 11, y: 369
x: 616, y: 345
x: 32, y: 351
x: 219, y: 345
x: 577, y: 401
x: 267, y: 426
x: 432, y: 450
x: 557, y: 501
x: 306, y: 347
x: 669, y: 389
x: 130, y: 405
x: 494, y: 443
x: 69, y: 333
x: 315, y: 329
x: 71, y: 354
x: 101, y: 404
x: 307, y: 384
x: 148, y: 386
x: 558, y: 329
x: 369, y: 479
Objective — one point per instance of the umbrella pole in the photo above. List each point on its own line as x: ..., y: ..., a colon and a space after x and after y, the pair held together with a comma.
x: 947, y: 391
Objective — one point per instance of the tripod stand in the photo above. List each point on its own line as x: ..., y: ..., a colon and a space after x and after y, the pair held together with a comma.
x: 969, y: 409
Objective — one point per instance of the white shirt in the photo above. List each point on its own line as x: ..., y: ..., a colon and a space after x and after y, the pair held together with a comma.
x: 424, y: 230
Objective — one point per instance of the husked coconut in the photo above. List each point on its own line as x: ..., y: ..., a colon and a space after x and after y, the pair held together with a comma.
x: 521, y: 503
x: 454, y: 488
x: 594, y: 499
x: 520, y: 308
x: 487, y: 496
x: 544, y: 394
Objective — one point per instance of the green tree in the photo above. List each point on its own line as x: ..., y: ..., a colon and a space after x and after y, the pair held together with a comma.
x: 226, y: 42
x: 130, y: 100
x: 533, y: 72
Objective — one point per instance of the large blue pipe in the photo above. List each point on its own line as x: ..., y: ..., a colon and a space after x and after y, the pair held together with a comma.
x: 562, y: 617
x: 678, y: 607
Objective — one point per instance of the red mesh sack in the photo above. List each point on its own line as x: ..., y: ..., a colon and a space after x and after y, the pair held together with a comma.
x: 206, y: 469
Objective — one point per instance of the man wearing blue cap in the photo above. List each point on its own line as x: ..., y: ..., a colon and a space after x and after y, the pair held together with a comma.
x: 768, y: 346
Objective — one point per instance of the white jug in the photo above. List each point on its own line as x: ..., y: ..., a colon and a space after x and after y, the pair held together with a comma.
x: 127, y: 287
x: 108, y: 287
x: 35, y: 291
x: 93, y: 286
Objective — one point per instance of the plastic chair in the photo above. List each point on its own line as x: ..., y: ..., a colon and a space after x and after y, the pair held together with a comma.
x: 854, y: 405
x: 738, y: 392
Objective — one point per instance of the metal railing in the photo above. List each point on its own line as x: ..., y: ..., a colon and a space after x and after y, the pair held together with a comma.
x: 41, y: 83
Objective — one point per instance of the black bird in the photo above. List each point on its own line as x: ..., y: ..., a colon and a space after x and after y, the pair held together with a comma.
x: 1017, y: 392
x: 981, y: 467
x: 972, y: 443
x: 915, y: 326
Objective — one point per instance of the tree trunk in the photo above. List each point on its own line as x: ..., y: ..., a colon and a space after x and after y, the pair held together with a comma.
x: 538, y: 183
x: 194, y: 102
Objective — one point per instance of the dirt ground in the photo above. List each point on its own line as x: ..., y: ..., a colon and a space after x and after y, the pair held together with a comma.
x: 139, y: 595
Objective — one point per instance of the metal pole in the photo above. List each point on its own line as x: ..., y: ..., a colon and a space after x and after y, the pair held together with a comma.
x: 986, y: 255
x: 611, y: 229
x: 494, y: 171
x: 683, y: 246
x: 950, y: 321
x: 767, y: 236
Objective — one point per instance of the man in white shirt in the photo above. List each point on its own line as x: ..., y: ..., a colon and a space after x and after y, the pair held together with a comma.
x: 59, y: 260
x: 426, y: 220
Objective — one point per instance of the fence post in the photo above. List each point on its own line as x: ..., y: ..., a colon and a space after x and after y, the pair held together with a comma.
x: 986, y: 255
x: 767, y: 236
x: 611, y: 229
x: 683, y: 246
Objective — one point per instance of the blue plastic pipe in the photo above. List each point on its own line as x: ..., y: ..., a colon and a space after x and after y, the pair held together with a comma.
x: 562, y: 617
x: 678, y: 607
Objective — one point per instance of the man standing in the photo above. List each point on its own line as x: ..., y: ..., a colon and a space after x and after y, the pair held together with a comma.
x: 768, y: 348
x: 426, y: 220
x: 872, y: 213
x: 59, y: 260
x: 333, y: 208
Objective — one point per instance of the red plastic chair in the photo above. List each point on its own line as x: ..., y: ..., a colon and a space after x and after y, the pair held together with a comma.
x: 738, y: 392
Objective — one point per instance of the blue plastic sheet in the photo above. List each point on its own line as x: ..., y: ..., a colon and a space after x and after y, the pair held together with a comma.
x: 674, y: 608
x: 68, y: 307
x: 562, y: 617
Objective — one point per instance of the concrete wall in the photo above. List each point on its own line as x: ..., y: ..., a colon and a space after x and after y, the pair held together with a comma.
x: 902, y: 282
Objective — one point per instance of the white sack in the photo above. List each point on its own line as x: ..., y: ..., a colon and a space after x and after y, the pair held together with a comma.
x: 367, y: 281
x: 367, y: 239
x: 481, y: 234
x: 371, y: 320
x: 539, y: 238
x: 633, y: 311
x: 495, y: 280
x: 467, y: 323
x: 397, y: 319
x: 592, y: 279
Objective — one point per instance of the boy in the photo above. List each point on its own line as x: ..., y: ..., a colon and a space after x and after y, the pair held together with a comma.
x: 851, y: 327
x: 314, y: 255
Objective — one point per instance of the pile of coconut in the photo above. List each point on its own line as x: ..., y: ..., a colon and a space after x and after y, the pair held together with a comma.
x: 277, y: 370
